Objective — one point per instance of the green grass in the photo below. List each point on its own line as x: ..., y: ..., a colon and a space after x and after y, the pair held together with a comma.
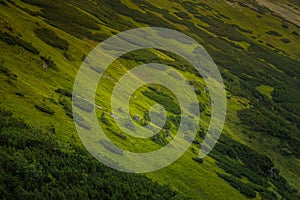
x: 266, y: 90
x: 245, y: 74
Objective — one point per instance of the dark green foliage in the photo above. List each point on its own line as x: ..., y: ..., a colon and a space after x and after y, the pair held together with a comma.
x: 244, y: 188
x: 81, y: 121
x: 45, y: 109
x: 30, y: 12
x: 104, y: 119
x: 285, y: 24
x: 146, y: 18
x: 109, y: 146
x: 175, y: 119
x: 7, y: 72
x: 256, y: 162
x: 285, y: 189
x: 83, y: 104
x: 199, y: 160
x: 182, y: 15
x: 64, y: 92
x: 164, y: 99
x: 34, y: 165
x: 251, y: 4
x: 285, y: 40
x: 295, y: 2
x: 15, y: 40
x: 98, y: 37
x: 160, y: 138
x: 3, y: 2
x: 67, y: 107
x: 239, y: 171
x: 49, y: 62
x: 20, y: 94
x: 274, y: 33
x: 222, y: 29
x: 257, y: 168
x: 71, y: 20
x: 51, y: 38
x: 265, y: 123
x: 119, y: 134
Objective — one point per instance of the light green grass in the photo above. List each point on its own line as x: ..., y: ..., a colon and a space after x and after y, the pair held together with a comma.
x: 265, y: 90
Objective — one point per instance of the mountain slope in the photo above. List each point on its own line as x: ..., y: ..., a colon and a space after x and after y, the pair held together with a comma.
x: 256, y: 49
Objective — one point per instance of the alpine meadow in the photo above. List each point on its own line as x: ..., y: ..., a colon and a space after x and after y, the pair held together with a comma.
x: 256, y: 47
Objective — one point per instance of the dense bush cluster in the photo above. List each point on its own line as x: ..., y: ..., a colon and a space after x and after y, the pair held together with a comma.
x: 244, y: 188
x: 51, y: 38
x: 34, y: 166
x: 274, y: 33
x: 71, y: 20
x: 15, y: 40
x: 45, y: 109
x: 7, y: 72
x: 83, y: 104
x: 257, y: 168
x: 163, y: 99
x: 64, y: 92
x: 50, y: 64
x: 67, y: 107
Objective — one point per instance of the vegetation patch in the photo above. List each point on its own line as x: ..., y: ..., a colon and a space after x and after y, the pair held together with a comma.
x: 51, y: 38
x: 44, y: 109
x: 16, y: 40
x: 35, y: 165
x: 274, y: 33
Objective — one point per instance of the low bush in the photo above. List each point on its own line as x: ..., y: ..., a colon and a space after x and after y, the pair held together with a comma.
x: 160, y: 138
x: 285, y: 40
x: 182, y: 15
x: 7, y: 72
x: 45, y: 109
x: 51, y: 38
x: 64, y: 92
x: 15, y: 40
x: 49, y: 62
x: 167, y: 101
x: 244, y: 188
x: 274, y: 33
x: 36, y: 165
x: 67, y: 107
x: 83, y: 104
x: 20, y: 94
x: 198, y: 160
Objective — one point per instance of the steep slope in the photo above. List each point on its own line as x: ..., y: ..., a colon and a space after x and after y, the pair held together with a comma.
x: 256, y: 49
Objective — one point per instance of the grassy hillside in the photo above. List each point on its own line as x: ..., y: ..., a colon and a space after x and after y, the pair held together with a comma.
x: 256, y: 48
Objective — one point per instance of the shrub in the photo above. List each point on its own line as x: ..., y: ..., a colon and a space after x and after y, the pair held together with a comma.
x: 51, y: 38
x: 64, y: 92
x: 167, y: 101
x: 182, y: 15
x: 49, y: 62
x: 45, y: 109
x: 35, y: 164
x: 199, y: 160
x: 7, y: 72
x: 15, y: 40
x: 83, y: 104
x: 274, y: 33
x: 81, y: 122
x: 244, y: 188
x: 21, y: 94
x: 104, y: 119
x: 160, y: 138
x: 285, y: 40
x: 67, y: 107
